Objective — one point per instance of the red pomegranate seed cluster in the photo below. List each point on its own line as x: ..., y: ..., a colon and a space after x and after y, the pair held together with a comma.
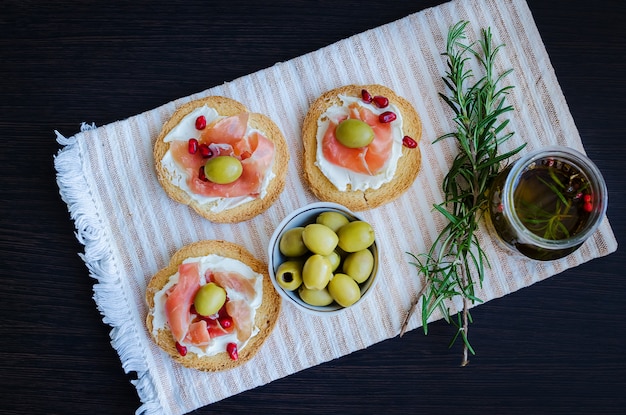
x: 231, y: 349
x: 194, y: 146
x: 588, y: 203
x: 181, y: 349
x: 387, y: 116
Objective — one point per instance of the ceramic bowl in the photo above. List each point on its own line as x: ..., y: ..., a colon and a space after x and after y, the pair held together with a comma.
x: 302, y: 217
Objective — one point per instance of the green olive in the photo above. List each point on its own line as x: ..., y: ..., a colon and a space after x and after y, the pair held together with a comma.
x: 223, y: 169
x: 359, y: 265
x: 316, y: 272
x: 355, y: 236
x: 319, y: 239
x: 334, y: 259
x: 334, y: 220
x: 209, y: 299
x: 354, y: 133
x: 291, y: 243
x: 315, y: 297
x: 344, y: 290
x: 289, y: 275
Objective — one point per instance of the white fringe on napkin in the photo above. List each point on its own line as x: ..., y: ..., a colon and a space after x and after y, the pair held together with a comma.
x: 100, y: 261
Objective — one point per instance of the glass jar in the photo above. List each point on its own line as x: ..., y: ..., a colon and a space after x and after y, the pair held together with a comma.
x: 547, y: 203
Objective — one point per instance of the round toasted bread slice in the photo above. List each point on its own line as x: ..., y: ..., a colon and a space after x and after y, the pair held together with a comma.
x: 225, y: 107
x: 265, y: 318
x: 408, y: 165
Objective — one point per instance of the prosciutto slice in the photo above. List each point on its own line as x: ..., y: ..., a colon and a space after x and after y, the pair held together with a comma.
x: 180, y: 298
x: 227, y: 137
x: 366, y: 160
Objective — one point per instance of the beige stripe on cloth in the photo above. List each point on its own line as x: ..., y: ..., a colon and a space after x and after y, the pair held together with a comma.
x: 130, y: 227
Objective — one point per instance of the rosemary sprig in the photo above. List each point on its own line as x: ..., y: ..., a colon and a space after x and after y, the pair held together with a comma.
x: 456, y: 261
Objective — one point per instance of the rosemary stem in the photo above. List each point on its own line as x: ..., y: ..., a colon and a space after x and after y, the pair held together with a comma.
x: 409, y: 313
x: 465, y: 360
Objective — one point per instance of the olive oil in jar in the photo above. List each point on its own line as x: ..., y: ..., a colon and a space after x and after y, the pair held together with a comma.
x: 548, y: 203
x: 550, y: 199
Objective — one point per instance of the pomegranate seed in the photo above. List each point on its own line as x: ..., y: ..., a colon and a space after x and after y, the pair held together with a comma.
x: 367, y: 97
x: 181, y: 349
x: 500, y: 208
x: 587, y: 198
x: 205, y: 151
x: 386, y: 117
x: 588, y: 206
x: 200, y: 123
x: 222, y: 314
x: 226, y: 322
x: 202, y: 175
x: 231, y: 348
x: 380, y: 101
x: 408, y: 142
x: 192, y: 146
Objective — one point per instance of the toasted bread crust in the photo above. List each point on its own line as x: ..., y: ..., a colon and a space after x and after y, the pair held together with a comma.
x: 266, y: 314
x: 408, y: 165
x: 226, y: 107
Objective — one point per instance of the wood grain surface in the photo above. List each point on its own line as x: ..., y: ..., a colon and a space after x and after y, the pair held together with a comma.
x: 555, y: 347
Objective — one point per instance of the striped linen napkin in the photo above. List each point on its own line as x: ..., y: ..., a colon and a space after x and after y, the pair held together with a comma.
x: 129, y: 227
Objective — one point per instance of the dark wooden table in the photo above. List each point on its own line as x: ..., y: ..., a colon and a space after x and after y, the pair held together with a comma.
x: 555, y: 347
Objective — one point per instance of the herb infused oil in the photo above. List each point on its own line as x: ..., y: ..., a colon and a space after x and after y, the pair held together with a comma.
x: 548, y: 203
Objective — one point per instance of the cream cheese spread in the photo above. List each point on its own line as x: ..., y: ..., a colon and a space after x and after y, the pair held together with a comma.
x: 185, y: 130
x: 215, y: 263
x: 341, y: 177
